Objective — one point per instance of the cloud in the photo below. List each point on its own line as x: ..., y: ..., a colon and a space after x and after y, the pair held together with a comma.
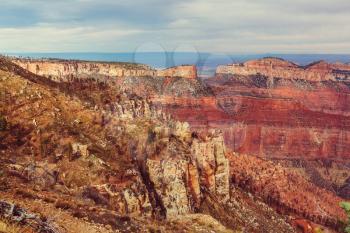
x: 229, y: 26
x: 46, y: 38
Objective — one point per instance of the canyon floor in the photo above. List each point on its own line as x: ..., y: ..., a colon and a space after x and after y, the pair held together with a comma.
x: 122, y: 147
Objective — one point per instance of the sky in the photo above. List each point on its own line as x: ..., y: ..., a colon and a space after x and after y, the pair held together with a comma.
x: 221, y: 26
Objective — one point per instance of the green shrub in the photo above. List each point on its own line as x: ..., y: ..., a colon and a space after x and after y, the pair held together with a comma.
x: 346, y: 208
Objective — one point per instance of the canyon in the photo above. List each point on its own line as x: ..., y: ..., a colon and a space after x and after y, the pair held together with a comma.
x: 279, y: 68
x: 261, y: 147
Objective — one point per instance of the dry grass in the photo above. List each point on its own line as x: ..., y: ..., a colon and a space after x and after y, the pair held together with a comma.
x: 7, y: 227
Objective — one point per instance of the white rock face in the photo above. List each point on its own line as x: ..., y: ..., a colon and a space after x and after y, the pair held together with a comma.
x: 210, y: 158
x: 169, y: 178
x: 61, y: 70
x: 80, y: 149
x: 178, y: 180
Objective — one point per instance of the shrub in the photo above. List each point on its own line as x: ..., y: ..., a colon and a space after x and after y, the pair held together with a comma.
x: 346, y: 208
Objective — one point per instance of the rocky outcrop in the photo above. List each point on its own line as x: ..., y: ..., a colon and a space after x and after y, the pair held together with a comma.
x: 181, y: 181
x: 67, y: 70
x: 184, y: 71
x: 170, y: 182
x: 63, y: 70
x: 32, y: 222
x: 279, y: 68
x: 213, y: 164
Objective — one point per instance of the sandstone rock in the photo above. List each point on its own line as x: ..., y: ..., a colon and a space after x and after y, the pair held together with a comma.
x: 210, y: 158
x: 31, y: 221
x: 80, y: 150
x: 168, y: 178
x: 42, y: 175
x: 181, y: 130
x: 279, y: 68
x: 129, y: 200
x: 286, y: 191
x: 62, y: 70
x: 184, y: 71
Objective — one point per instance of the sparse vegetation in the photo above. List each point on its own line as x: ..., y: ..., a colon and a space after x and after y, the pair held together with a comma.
x: 8, y: 227
x: 346, y: 208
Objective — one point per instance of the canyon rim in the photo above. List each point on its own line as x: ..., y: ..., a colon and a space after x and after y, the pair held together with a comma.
x: 190, y: 116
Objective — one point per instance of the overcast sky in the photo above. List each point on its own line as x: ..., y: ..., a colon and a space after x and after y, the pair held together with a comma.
x: 227, y: 26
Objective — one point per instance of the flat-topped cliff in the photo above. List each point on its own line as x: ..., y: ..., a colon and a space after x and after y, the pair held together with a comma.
x: 65, y: 70
x: 279, y: 68
x: 186, y: 71
x: 62, y: 70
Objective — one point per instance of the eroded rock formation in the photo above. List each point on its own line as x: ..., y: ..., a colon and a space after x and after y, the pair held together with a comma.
x: 66, y: 70
x: 284, y: 118
x: 188, y: 71
x: 279, y: 68
x: 124, y: 155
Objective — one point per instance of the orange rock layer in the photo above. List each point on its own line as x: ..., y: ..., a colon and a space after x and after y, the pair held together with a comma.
x: 273, y: 67
x: 186, y: 71
x: 64, y: 70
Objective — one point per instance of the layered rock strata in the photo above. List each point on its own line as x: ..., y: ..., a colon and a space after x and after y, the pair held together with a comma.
x: 279, y: 68
x: 185, y: 71
x: 133, y: 159
x: 124, y: 155
x: 282, y: 117
x: 64, y: 70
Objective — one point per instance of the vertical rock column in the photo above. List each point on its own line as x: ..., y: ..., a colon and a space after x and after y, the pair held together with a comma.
x: 168, y: 179
x: 213, y: 165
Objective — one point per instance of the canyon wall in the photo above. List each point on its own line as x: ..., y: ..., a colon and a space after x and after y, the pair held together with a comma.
x: 279, y: 68
x: 278, y: 109
x: 268, y: 107
x: 64, y: 70
x: 185, y: 71
x: 61, y: 70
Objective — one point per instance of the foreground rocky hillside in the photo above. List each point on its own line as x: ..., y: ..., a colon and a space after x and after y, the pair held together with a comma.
x: 100, y: 153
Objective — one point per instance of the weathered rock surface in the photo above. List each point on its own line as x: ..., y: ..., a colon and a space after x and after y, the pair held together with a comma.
x: 185, y: 71
x: 16, y: 214
x: 284, y: 118
x: 114, y: 150
x: 281, y: 188
x: 65, y: 70
x: 279, y: 68
x: 62, y: 70
x: 122, y: 154
x: 304, y: 110
x: 210, y: 157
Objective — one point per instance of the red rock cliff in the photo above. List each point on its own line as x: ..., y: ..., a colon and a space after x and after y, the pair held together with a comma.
x: 285, y: 117
x: 279, y: 68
